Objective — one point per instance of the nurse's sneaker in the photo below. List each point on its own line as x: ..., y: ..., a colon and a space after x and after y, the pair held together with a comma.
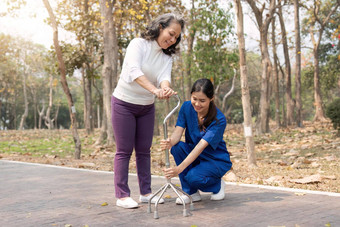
x: 195, y: 198
x: 127, y: 203
x: 221, y: 194
x: 145, y: 199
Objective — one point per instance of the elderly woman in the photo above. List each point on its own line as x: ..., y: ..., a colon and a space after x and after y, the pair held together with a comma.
x: 146, y: 73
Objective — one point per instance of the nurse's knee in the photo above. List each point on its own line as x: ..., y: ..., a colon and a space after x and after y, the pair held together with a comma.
x: 194, y: 180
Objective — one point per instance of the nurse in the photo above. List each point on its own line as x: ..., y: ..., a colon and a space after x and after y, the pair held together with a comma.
x: 203, y: 159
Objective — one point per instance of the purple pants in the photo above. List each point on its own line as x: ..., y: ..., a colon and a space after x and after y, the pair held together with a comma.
x: 133, y: 129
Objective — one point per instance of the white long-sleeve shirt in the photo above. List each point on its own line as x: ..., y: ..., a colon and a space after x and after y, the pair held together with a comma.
x: 143, y: 57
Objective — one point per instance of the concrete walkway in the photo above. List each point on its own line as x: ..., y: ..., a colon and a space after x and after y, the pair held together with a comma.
x: 42, y: 195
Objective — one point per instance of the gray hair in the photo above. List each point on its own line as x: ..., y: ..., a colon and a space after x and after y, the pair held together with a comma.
x: 152, y: 30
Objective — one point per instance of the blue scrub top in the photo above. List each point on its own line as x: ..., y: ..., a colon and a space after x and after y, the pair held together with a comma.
x: 216, y: 151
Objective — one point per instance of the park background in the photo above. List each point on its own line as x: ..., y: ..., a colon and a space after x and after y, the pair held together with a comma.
x: 288, y: 98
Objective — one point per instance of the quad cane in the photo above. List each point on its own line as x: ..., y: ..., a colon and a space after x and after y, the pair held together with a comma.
x: 169, y: 184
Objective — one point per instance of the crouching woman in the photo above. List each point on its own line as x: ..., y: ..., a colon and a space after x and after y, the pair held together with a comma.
x: 203, y: 159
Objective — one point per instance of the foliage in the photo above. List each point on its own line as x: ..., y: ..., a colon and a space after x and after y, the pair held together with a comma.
x: 333, y: 112
x: 212, y: 56
x: 131, y: 17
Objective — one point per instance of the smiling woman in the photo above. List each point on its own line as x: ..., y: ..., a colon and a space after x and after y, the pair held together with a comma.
x: 203, y: 159
x: 146, y: 74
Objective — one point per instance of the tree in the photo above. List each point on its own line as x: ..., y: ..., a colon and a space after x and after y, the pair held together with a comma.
x: 210, y: 55
x: 83, y: 19
x: 244, y: 86
x: 109, y: 71
x: 24, y: 116
x: 297, y: 64
x: 263, y: 24
x: 290, y: 103
x: 47, y: 116
x: 276, y: 76
x: 62, y: 69
x: 188, y: 55
x: 319, y: 14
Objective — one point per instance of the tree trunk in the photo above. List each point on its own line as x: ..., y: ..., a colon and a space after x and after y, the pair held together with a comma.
x: 284, y: 116
x: 98, y: 116
x: 245, y: 87
x: 276, y: 77
x: 47, y: 118
x: 103, y: 130
x: 262, y: 121
x: 289, y: 100
x: 41, y: 114
x: 110, y: 62
x: 318, y: 103
x: 55, y: 118
x: 319, y: 112
x: 263, y: 25
x: 230, y: 91
x: 24, y: 116
x: 87, y: 79
x: 88, y: 110
x: 63, y: 81
x: 35, y: 106
x: 297, y: 65
x: 191, y: 39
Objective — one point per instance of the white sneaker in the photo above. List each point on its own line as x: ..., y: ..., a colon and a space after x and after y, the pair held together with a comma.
x: 195, y: 198
x: 145, y: 199
x: 127, y: 203
x: 221, y: 194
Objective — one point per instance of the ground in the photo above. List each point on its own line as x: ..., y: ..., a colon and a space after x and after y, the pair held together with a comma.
x: 305, y: 158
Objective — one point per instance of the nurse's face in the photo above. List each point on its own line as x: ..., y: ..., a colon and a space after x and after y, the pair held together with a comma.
x: 200, y: 102
x: 169, y: 35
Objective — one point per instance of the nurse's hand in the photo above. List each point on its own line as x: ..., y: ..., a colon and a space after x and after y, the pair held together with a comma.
x: 166, y: 144
x: 171, y: 172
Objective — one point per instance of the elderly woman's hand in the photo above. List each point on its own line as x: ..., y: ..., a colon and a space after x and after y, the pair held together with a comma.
x: 159, y: 93
x: 168, y: 92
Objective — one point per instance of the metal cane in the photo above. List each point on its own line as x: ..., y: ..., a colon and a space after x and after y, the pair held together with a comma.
x: 169, y: 184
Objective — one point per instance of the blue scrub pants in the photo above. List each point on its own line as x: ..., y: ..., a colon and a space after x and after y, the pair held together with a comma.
x: 200, y: 175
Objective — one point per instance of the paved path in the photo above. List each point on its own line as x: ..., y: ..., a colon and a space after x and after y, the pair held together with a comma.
x: 42, y: 195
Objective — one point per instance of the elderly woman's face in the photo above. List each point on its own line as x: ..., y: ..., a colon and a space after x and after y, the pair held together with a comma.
x: 169, y: 35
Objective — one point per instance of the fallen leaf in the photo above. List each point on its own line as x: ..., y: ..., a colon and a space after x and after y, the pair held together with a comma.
x: 308, y: 180
x: 273, y: 179
x: 105, y: 204
x: 329, y: 177
x: 300, y: 193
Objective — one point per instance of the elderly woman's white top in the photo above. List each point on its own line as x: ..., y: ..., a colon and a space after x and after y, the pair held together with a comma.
x: 143, y: 57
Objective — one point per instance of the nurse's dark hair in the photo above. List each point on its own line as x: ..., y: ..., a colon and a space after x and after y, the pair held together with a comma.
x: 153, y: 29
x: 207, y: 88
